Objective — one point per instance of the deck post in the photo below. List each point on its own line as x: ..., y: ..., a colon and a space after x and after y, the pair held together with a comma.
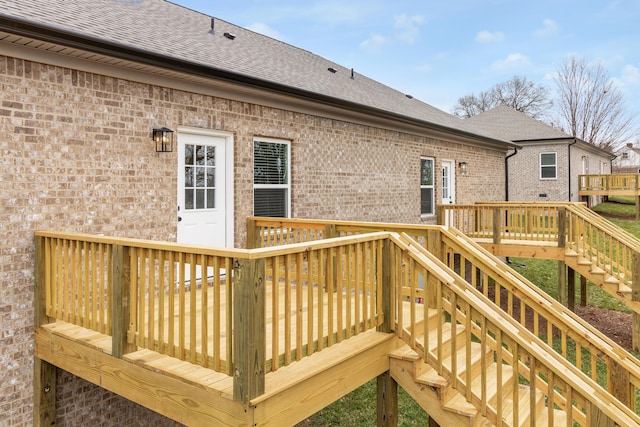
x: 440, y: 215
x: 571, y: 289
x: 562, y: 282
x: 44, y: 373
x: 252, y: 234
x: 637, y: 208
x: 635, y: 296
x: 120, y: 302
x: 583, y: 291
x: 562, y: 227
x: 496, y: 226
x: 387, y: 401
x: 387, y: 291
x: 330, y: 231
x: 249, y: 338
x: 386, y: 386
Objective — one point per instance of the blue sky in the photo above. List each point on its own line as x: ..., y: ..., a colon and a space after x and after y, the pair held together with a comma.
x: 438, y: 51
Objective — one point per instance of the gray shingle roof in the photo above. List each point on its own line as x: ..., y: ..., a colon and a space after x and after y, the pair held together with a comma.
x: 507, y: 123
x: 163, y: 28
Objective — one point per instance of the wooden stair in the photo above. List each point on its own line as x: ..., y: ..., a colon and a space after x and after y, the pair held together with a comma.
x: 438, y: 396
x: 597, y: 274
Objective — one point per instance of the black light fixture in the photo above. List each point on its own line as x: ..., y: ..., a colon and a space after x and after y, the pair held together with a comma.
x: 163, y: 138
x: 463, y: 168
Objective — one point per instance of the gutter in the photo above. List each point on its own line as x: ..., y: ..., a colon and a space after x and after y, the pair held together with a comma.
x: 506, y: 174
x: 575, y: 141
x: 92, y: 44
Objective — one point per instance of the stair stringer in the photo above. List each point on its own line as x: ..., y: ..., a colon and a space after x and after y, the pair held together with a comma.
x: 616, y: 287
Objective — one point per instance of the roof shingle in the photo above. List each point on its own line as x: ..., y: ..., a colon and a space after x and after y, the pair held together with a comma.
x: 164, y: 28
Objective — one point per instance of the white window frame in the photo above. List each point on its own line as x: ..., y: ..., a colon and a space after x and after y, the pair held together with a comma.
x: 425, y: 186
x: 555, y: 165
x: 286, y: 186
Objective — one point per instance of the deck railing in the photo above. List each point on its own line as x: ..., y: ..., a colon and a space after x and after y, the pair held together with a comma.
x: 609, y: 183
x: 496, y: 348
x: 568, y: 226
x: 563, y: 331
x: 198, y: 304
x: 123, y: 287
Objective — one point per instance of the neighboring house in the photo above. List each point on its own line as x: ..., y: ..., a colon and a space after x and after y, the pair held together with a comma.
x: 627, y: 159
x: 548, y: 161
x: 260, y: 127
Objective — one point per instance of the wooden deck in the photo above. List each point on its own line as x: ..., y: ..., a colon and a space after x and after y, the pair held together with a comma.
x: 278, y: 332
x: 196, y: 395
x: 625, y: 185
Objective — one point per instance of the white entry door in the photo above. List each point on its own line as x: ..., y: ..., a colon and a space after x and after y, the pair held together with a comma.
x: 201, y: 190
x: 448, y: 182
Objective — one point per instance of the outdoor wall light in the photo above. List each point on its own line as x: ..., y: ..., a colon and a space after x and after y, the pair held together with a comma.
x: 163, y: 138
x: 463, y: 168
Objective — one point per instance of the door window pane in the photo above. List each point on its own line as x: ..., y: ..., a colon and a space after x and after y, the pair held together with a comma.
x: 199, y: 176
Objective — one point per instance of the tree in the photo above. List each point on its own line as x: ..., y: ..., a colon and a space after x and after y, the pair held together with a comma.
x: 590, y: 105
x: 518, y: 93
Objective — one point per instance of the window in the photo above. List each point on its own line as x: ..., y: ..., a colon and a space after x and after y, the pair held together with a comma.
x: 426, y: 187
x: 625, y: 155
x: 548, y: 166
x: 271, y: 183
x: 199, y: 177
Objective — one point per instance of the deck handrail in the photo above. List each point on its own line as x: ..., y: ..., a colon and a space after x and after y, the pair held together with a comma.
x: 622, y: 370
x: 499, y: 337
x: 609, y: 182
x: 164, y: 291
x: 516, y: 295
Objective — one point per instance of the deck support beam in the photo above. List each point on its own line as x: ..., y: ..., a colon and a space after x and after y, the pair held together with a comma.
x: 387, y: 401
x: 387, y: 388
x: 562, y: 282
x: 44, y: 373
x: 249, y: 337
x: 571, y: 289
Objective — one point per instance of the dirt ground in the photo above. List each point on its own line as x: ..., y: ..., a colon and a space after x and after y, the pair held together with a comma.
x: 614, y: 324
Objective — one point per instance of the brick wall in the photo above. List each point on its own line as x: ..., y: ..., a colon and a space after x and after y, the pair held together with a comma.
x: 76, y: 155
x: 525, y: 184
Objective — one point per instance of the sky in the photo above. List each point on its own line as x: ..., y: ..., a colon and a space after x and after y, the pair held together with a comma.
x: 438, y: 51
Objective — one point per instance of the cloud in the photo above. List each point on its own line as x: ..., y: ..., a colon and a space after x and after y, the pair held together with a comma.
x: 512, y: 61
x: 407, y: 30
x: 549, y: 29
x: 630, y: 74
x: 409, y: 27
x: 266, y: 30
x: 489, y: 37
x: 375, y: 41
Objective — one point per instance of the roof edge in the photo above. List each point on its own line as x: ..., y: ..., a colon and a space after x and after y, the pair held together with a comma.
x: 52, y: 34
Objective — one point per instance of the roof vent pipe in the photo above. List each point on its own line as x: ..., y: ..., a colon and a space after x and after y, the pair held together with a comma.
x: 352, y: 76
x: 213, y: 24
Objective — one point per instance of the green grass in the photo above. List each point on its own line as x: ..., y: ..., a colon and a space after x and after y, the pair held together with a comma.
x: 544, y: 274
x: 618, y: 206
x: 358, y: 408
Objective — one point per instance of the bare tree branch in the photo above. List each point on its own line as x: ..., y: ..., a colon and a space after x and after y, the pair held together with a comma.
x: 590, y: 105
x: 518, y: 93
